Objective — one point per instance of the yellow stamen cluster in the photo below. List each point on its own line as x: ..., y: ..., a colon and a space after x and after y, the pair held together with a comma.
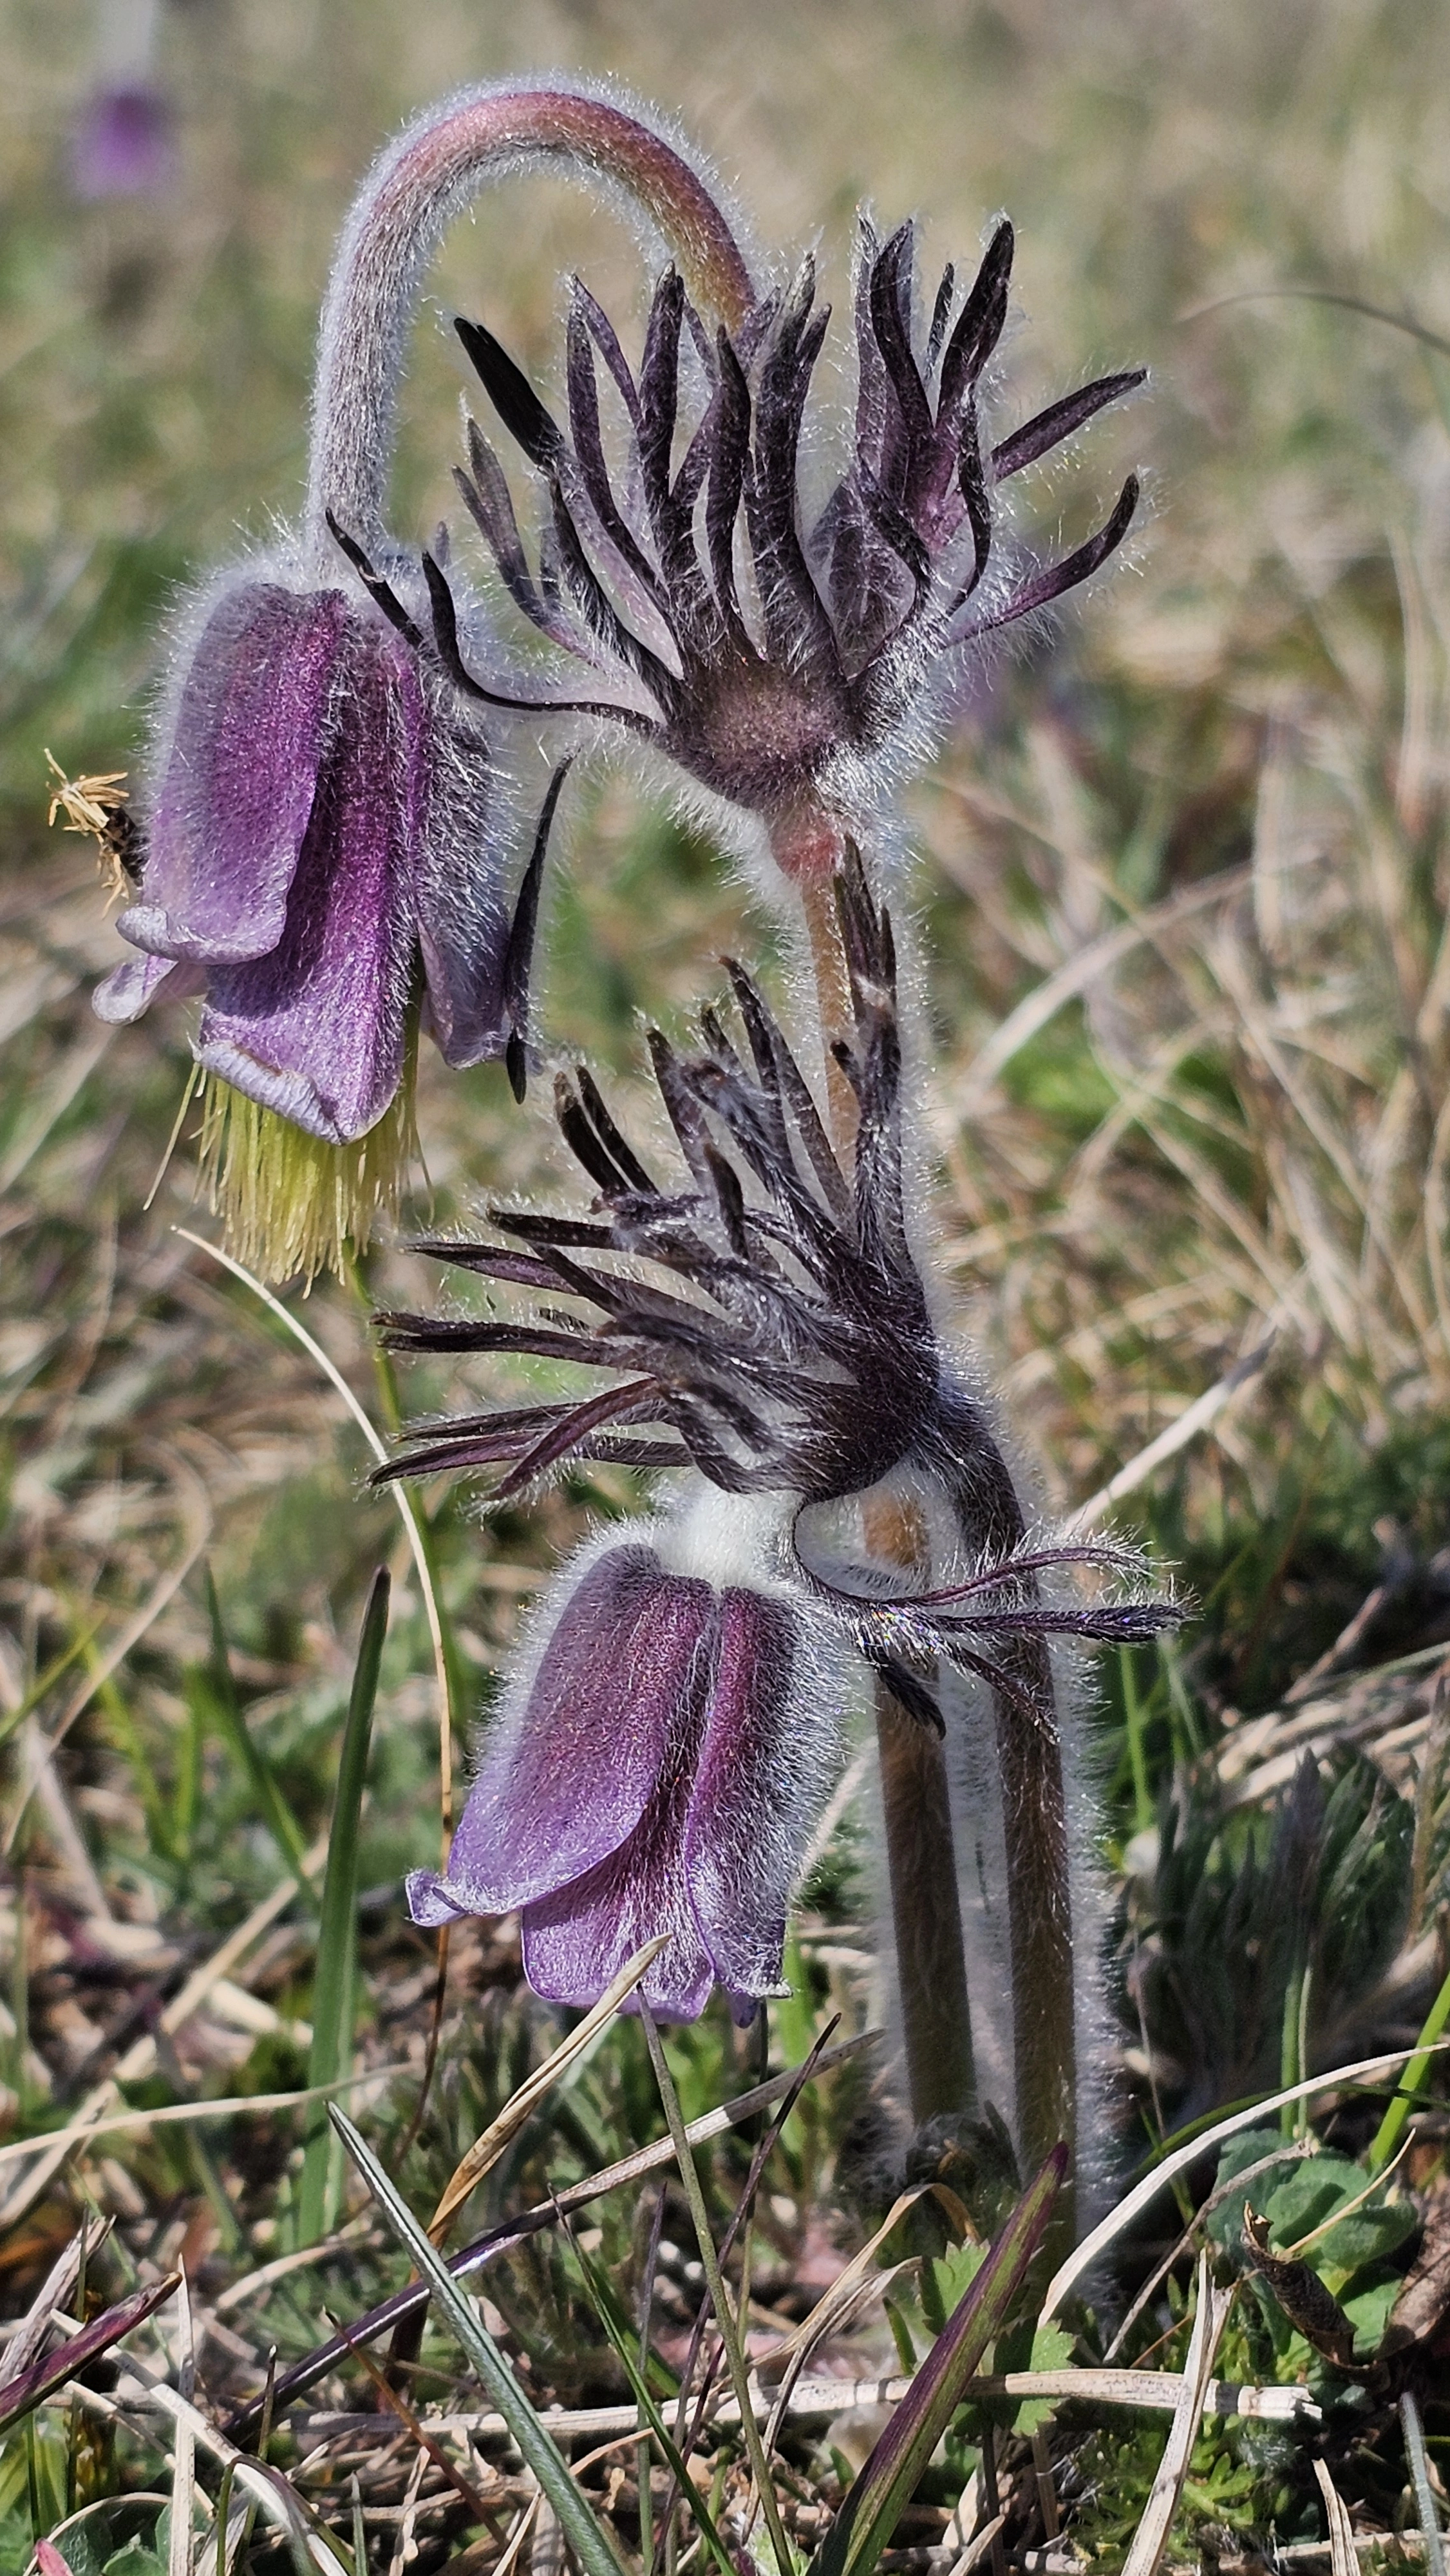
x: 98, y: 806
x: 292, y: 1204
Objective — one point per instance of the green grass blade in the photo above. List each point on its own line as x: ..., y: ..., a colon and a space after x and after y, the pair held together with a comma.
x: 79, y: 1645
x: 864, y: 2526
x: 1411, y: 2085
x: 334, y: 1996
x: 605, y: 2308
x: 725, y: 2319
x: 222, y: 1692
x: 587, y: 2538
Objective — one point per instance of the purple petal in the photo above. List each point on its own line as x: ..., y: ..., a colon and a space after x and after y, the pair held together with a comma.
x: 576, y: 1942
x: 462, y: 924
x: 752, y: 1798
x: 622, y: 1677
x: 316, y: 1028
x: 252, y: 728
x: 131, y: 987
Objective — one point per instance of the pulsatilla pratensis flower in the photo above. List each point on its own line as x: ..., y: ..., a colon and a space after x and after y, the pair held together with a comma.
x: 656, y: 1769
x: 317, y: 834
x: 786, y: 672
x: 323, y: 855
x: 766, y: 1326
x: 800, y: 1361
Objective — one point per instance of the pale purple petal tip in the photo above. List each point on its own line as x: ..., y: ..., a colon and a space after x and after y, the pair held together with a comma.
x: 429, y: 1902
x: 130, y: 987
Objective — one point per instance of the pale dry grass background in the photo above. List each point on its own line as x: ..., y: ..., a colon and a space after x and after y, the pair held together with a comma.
x: 1183, y: 884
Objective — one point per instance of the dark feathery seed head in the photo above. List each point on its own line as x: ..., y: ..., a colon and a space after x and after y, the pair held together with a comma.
x: 776, y: 667
x: 771, y: 1330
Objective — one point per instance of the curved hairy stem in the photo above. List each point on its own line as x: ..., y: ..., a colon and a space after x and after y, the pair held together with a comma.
x: 421, y: 182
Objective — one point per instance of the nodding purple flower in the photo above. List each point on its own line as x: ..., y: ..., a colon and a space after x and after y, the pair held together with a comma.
x: 800, y: 1361
x: 656, y: 1768
x: 323, y: 854
x: 318, y: 848
x: 787, y: 702
x: 125, y: 142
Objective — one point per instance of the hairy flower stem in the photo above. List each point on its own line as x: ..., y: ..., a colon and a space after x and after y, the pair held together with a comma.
x: 921, y: 1865
x: 421, y: 182
x: 921, y: 1859
x: 926, y: 1917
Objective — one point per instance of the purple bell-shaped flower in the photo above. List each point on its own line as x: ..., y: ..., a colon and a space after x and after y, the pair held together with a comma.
x: 320, y: 833
x: 323, y: 854
x: 657, y: 1768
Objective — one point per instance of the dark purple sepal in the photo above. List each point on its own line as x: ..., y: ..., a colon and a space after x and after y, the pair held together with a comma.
x: 577, y: 1940
x: 253, y: 723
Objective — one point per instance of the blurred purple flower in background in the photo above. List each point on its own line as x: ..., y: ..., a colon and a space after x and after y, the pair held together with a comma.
x: 655, y: 1771
x: 124, y: 144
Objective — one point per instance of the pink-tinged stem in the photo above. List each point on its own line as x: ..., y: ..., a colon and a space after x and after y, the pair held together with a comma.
x: 425, y: 178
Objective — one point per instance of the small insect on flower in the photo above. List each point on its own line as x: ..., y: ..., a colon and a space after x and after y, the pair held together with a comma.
x: 789, y: 664
x: 100, y: 807
x: 657, y: 1766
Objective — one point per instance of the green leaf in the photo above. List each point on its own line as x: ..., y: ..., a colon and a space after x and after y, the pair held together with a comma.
x: 133, y: 2560
x: 334, y: 1996
x: 1028, y: 2347
x: 1310, y: 2194
x: 588, y: 2540
x: 1369, y: 2314
x: 945, y: 2281
x: 1366, y: 2236
x: 864, y: 2526
x: 1225, y: 2225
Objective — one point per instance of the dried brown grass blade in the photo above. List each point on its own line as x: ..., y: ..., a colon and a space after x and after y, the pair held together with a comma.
x: 1151, y: 2538
x: 1198, y: 1418
x: 1154, y: 2392
x: 1342, y: 2558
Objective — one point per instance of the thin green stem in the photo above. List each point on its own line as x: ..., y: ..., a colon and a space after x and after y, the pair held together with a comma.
x: 424, y: 1542
x: 1412, y: 2083
x: 1137, y: 1754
